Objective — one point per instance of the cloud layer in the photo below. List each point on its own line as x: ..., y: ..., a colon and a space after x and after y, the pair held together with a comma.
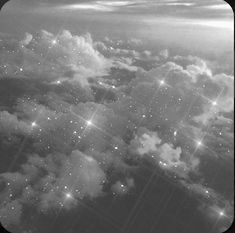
x: 81, y: 117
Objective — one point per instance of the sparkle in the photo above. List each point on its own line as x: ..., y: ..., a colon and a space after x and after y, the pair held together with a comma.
x: 54, y: 42
x: 162, y: 82
x: 162, y: 164
x: 89, y: 122
x: 199, y: 143
x: 214, y: 103
x: 221, y: 213
x: 175, y: 133
x: 34, y: 124
x: 68, y: 195
x: 58, y: 82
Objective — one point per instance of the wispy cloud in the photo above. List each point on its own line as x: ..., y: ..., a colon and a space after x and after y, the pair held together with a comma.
x: 91, y: 6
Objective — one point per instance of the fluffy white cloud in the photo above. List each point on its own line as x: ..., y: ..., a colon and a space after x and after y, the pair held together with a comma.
x: 55, y: 57
x: 148, y: 144
x: 10, y: 124
x: 63, y: 180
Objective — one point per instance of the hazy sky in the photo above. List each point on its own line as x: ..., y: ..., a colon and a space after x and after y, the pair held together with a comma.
x: 202, y: 25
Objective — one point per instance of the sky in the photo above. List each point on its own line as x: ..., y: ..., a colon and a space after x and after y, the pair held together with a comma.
x: 116, y: 116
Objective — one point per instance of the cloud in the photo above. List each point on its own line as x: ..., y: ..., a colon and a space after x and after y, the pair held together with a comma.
x: 53, y: 181
x: 145, y: 142
x: 10, y: 124
x: 223, y: 102
x: 87, y: 136
x: 10, y: 214
x: 148, y: 144
x: 54, y: 57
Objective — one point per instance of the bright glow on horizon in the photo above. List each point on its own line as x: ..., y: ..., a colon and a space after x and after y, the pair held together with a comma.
x: 226, y: 24
x: 219, y: 7
x: 114, y: 3
x: 95, y: 7
x: 177, y: 21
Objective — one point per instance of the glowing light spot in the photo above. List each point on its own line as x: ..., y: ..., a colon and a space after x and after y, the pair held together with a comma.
x: 89, y: 122
x: 214, y: 103
x: 68, y: 195
x: 115, y: 147
x: 34, y: 124
x: 54, y: 42
x: 221, y: 213
x: 199, y: 143
x: 175, y: 133
x: 162, y: 82
x: 58, y: 82
x: 162, y: 164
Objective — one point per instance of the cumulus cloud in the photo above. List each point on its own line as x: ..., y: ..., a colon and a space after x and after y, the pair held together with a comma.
x: 63, y: 179
x: 10, y: 124
x: 83, y: 143
x: 54, y: 57
x: 147, y: 143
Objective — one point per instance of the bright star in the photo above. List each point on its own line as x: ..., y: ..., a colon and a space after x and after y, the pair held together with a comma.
x: 162, y: 82
x: 221, y: 213
x: 34, y: 124
x: 199, y: 143
x: 214, y: 103
x: 68, y: 195
x: 89, y: 122
x: 54, y: 42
